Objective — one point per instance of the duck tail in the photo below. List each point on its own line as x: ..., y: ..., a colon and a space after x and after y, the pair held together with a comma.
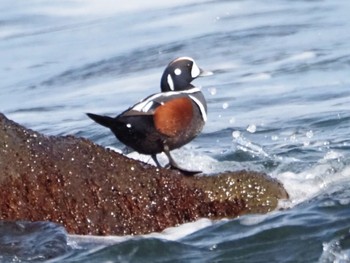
x: 102, y: 120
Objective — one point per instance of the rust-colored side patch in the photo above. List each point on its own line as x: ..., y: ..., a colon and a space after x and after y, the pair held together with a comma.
x: 174, y: 116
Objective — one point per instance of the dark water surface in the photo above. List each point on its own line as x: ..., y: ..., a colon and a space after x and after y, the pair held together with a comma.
x: 278, y: 103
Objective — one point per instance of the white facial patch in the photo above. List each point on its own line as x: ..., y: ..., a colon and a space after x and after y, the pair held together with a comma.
x: 195, y: 71
x: 170, y: 82
x: 177, y: 71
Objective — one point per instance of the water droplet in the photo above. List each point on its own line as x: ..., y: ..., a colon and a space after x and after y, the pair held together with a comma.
x: 310, y: 134
x: 225, y: 105
x: 236, y: 134
x: 132, y: 168
x: 274, y: 137
x: 232, y: 120
x: 212, y: 91
x: 128, y: 125
x: 251, y: 128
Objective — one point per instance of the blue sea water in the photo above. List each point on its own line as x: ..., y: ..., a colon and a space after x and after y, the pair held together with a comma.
x: 278, y: 102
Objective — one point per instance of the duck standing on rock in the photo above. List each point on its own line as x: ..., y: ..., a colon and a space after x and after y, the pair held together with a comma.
x: 167, y: 120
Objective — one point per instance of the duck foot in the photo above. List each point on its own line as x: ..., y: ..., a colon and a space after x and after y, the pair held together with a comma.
x: 182, y: 170
x: 173, y: 165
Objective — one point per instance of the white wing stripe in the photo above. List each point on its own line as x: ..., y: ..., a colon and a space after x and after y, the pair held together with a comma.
x: 141, y: 106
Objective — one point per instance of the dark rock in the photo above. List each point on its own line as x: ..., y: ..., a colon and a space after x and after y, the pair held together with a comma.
x: 92, y: 190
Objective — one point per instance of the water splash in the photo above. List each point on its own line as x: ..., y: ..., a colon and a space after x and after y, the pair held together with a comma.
x: 246, y: 145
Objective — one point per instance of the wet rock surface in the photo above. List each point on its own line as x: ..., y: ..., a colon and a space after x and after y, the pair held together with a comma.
x: 92, y: 190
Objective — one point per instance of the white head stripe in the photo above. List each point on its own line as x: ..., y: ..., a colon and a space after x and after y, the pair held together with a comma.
x: 201, y: 107
x: 170, y: 82
x: 195, y: 71
x: 141, y: 105
x: 183, y: 58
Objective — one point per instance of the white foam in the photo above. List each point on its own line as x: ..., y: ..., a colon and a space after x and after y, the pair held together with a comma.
x: 332, y: 155
x: 256, y: 77
x: 333, y: 251
x: 310, y: 183
x: 171, y: 233
x: 178, y: 232
x: 253, y: 219
x: 302, y: 56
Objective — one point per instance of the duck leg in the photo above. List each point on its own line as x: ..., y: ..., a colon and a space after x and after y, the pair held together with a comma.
x: 174, y: 165
x: 154, y: 157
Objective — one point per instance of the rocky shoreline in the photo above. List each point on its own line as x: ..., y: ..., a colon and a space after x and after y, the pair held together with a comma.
x: 92, y: 190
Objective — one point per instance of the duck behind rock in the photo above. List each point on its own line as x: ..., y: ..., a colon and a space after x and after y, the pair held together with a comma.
x: 163, y: 121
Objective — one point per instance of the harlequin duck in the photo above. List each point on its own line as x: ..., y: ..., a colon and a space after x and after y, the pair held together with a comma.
x: 167, y: 120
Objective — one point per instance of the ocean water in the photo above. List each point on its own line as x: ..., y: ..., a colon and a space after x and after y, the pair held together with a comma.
x: 278, y: 102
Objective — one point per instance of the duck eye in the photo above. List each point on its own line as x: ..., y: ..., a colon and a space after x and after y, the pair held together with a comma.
x: 177, y: 71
